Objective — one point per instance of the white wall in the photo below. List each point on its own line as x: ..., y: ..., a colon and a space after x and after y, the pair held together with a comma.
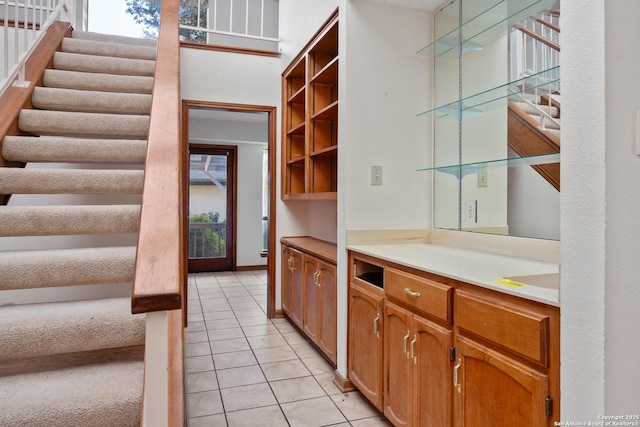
x: 238, y: 79
x: 600, y: 200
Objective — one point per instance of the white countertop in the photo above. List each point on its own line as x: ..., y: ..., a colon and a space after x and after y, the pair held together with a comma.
x: 474, y: 267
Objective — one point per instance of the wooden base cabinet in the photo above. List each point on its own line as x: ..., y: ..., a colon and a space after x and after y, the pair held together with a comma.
x: 417, y: 369
x: 309, y: 290
x: 494, y: 389
x: 365, y: 341
x: 320, y: 321
x: 429, y: 351
x: 292, y: 280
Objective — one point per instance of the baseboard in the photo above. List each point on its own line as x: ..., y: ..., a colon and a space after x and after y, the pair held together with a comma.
x: 343, y: 384
x: 67, y: 360
x: 250, y: 267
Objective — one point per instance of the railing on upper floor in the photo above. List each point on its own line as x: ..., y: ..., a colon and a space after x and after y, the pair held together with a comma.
x: 243, y: 24
x: 24, y: 23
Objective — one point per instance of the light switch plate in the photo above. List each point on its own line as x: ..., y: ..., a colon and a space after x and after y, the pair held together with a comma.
x: 376, y: 175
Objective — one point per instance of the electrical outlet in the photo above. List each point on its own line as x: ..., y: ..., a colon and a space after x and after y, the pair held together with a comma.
x: 471, y: 212
x: 483, y: 179
x: 376, y: 175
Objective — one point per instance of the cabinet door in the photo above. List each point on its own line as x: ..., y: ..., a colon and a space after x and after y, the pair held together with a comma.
x: 327, y: 310
x: 432, y: 374
x: 312, y: 298
x: 494, y: 389
x: 365, y: 343
x: 397, y: 365
x: 297, y: 287
x: 287, y: 279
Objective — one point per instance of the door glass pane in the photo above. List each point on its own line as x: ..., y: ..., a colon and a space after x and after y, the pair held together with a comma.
x: 207, y: 206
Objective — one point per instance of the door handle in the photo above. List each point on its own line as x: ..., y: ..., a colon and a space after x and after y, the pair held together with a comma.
x: 411, y: 293
x: 456, y: 384
x: 375, y: 326
x: 404, y: 344
x: 411, y: 346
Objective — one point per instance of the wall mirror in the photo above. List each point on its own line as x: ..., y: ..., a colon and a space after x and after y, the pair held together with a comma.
x: 496, y: 119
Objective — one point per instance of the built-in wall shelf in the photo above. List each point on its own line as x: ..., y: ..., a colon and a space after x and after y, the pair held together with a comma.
x: 463, y: 169
x: 310, y: 119
x: 481, y: 24
x: 545, y: 82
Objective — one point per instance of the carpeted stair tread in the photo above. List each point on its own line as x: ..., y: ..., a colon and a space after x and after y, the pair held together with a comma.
x: 43, y: 122
x: 548, y: 124
x: 112, y: 49
x: 100, y: 37
x: 103, y: 64
x: 63, y: 149
x: 107, y: 395
x: 29, y: 330
x: 97, y: 81
x: 68, y: 181
x: 48, y: 98
x: 66, y: 267
x: 536, y: 110
x: 68, y: 220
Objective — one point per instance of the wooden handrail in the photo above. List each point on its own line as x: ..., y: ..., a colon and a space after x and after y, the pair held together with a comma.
x: 159, y: 267
x: 538, y: 37
x: 548, y: 24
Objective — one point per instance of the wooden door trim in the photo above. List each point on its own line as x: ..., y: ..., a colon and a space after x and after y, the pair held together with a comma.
x: 271, y: 145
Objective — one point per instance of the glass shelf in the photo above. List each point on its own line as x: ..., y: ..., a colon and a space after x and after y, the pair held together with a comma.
x: 484, y: 27
x: 461, y: 170
x: 545, y: 81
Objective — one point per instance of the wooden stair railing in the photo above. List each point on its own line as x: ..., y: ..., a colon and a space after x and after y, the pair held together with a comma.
x: 525, y: 137
x: 159, y: 277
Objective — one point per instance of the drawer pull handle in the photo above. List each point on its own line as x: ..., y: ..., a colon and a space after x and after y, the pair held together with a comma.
x: 413, y: 343
x: 411, y: 293
x: 404, y: 344
x: 375, y: 326
x: 456, y: 384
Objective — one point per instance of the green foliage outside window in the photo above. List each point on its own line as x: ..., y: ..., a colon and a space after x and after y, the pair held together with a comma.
x: 207, y: 242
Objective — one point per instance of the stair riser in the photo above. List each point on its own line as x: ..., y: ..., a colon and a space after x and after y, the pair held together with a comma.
x: 56, y: 149
x: 66, y: 267
x: 99, y: 64
x: 90, y: 101
x: 43, y: 181
x: 73, y: 220
x: 97, y: 81
x: 39, y: 122
x: 89, y: 47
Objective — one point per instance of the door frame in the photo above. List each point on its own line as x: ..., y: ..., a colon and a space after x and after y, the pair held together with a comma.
x: 272, y: 147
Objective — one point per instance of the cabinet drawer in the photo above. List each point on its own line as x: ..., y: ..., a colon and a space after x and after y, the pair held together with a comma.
x: 522, y: 331
x: 418, y: 293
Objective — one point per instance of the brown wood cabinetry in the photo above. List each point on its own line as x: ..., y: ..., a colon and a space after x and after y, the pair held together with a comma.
x: 309, y: 290
x: 450, y: 353
x: 292, y: 284
x: 310, y: 118
x: 365, y: 341
x: 507, y: 360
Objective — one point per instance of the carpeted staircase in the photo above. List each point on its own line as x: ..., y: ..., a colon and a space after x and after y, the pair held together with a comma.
x: 77, y: 361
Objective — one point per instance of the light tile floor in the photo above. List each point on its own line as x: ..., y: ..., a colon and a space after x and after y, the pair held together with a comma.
x: 245, y: 370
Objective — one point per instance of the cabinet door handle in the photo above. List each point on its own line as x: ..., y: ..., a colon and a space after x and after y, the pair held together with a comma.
x: 411, y: 293
x: 411, y: 346
x: 375, y: 326
x: 316, y: 278
x: 404, y: 344
x: 456, y: 384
